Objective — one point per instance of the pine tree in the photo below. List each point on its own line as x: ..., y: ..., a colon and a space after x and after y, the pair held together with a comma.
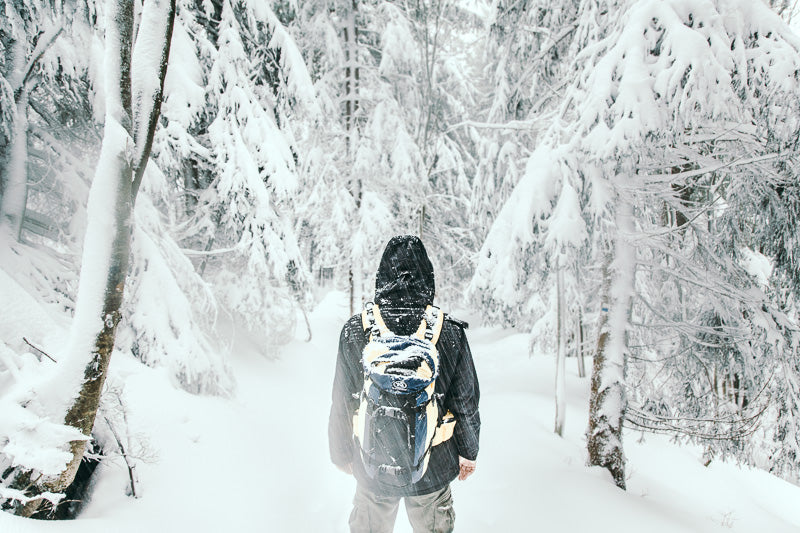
x: 228, y: 145
x: 665, y: 130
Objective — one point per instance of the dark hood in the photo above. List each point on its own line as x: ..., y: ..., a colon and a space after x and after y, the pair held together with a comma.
x: 405, y: 275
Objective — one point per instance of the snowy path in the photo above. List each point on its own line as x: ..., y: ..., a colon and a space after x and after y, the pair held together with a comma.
x: 259, y: 462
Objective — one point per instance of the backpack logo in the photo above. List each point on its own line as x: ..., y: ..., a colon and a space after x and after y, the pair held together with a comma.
x: 399, y: 385
x: 399, y: 418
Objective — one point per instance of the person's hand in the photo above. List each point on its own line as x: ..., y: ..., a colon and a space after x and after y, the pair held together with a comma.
x: 466, y: 468
x: 347, y: 469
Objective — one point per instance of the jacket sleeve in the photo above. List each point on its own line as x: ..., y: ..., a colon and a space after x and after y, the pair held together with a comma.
x: 345, y: 384
x: 463, y: 399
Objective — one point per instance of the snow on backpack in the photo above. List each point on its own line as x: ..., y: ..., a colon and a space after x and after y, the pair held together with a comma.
x: 399, y: 418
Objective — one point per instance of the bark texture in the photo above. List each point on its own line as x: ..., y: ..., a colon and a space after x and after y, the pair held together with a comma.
x: 608, y: 401
x: 604, y: 436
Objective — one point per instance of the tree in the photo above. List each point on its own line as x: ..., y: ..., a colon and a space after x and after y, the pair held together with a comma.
x: 131, y: 115
x: 26, y: 33
x: 228, y: 145
x: 666, y: 130
x: 397, y: 76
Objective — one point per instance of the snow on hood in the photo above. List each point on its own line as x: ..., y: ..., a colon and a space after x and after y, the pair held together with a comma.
x: 405, y: 275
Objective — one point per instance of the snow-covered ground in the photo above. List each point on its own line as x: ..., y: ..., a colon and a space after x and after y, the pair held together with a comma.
x: 259, y: 461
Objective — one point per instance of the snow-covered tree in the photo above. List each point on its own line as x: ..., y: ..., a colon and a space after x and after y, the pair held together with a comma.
x: 131, y: 110
x: 39, y: 69
x: 396, y: 75
x: 675, y: 116
x: 227, y: 148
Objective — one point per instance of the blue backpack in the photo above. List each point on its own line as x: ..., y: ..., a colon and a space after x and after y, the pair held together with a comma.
x: 399, y: 418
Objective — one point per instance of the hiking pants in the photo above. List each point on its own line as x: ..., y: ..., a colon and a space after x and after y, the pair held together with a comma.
x: 430, y: 513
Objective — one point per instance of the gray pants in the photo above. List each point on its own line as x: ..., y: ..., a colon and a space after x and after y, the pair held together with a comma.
x: 431, y: 513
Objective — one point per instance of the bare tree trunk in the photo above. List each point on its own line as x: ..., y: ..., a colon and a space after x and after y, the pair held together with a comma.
x: 351, y: 72
x: 579, y: 345
x: 351, y: 106
x: 357, y: 281
x: 561, y: 402
x: 608, y: 402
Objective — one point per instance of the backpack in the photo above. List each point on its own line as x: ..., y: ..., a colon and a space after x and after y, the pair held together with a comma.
x: 399, y: 418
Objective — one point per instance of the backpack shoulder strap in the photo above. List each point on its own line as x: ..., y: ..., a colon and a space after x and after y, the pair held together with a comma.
x: 372, y: 320
x: 431, y: 325
x: 457, y: 322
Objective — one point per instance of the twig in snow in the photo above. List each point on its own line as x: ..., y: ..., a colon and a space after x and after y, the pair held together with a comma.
x: 39, y: 350
x: 124, y: 456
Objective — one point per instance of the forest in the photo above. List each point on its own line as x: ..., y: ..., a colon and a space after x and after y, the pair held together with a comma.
x: 616, y: 180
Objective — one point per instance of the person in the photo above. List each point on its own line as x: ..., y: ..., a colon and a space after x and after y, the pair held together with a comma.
x: 404, y: 287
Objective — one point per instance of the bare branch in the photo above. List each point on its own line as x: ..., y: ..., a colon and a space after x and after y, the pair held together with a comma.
x: 45, y: 42
x: 151, y: 110
x: 124, y: 456
x: 671, y: 178
x: 39, y: 350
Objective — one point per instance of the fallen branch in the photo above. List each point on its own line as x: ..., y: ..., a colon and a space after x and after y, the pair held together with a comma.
x: 39, y: 350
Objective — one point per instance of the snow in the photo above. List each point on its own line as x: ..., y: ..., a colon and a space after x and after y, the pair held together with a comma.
x: 299, y: 79
x: 27, y: 435
x: 96, y: 263
x: 146, y: 66
x: 565, y: 226
x: 184, y: 94
x: 160, y: 321
x: 259, y: 461
x: 400, y: 52
x: 757, y: 265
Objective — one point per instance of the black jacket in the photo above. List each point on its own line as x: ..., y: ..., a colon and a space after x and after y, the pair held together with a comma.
x: 404, y: 286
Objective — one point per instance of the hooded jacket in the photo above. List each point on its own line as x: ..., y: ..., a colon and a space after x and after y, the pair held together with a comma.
x: 404, y: 286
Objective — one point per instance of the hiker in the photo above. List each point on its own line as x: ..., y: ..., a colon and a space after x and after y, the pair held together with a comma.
x: 403, y: 309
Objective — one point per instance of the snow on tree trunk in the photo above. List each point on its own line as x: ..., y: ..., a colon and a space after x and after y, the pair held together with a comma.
x: 20, y: 66
x: 15, y: 191
x: 608, y: 400
x: 579, y: 345
x: 561, y: 400
x: 151, y: 55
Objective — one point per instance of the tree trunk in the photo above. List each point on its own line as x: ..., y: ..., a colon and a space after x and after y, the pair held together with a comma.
x: 146, y: 103
x: 81, y: 414
x: 14, y: 162
x: 608, y: 402
x: 358, y: 288
x: 15, y: 191
x: 579, y: 345
x: 351, y: 75
x: 105, y: 256
x: 561, y: 402
x: 106, y: 251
